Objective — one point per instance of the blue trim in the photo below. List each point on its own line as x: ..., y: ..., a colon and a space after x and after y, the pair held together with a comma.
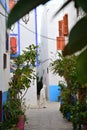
x: 19, y: 37
x: 12, y: 34
x: 36, y: 37
x: 4, y: 99
x: 5, y: 5
x: 7, y: 42
x: 18, y: 52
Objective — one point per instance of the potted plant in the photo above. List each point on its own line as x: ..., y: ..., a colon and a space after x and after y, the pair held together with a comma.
x: 14, y: 110
x: 62, y: 66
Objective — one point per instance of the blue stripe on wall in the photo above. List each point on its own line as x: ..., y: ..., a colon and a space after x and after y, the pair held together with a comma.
x: 36, y: 36
x: 54, y: 92
x: 18, y: 37
x: 4, y: 99
x: 5, y: 5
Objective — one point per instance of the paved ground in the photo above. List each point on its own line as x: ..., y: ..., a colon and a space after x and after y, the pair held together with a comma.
x: 48, y: 118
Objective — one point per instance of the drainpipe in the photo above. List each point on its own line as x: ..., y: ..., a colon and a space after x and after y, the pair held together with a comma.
x: 36, y: 36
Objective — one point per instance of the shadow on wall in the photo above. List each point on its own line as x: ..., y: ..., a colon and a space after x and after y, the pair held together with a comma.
x: 39, y: 85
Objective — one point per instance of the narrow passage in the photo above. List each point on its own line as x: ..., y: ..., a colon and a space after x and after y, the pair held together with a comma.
x: 48, y: 118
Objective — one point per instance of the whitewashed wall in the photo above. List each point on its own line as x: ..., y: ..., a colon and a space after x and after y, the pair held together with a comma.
x: 27, y: 32
x: 49, y: 28
x: 4, y: 73
x: 31, y: 95
x: 27, y: 37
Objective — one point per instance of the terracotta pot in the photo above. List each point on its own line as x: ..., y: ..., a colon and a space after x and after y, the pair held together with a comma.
x: 20, y: 124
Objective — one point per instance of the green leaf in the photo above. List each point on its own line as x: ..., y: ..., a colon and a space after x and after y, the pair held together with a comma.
x: 21, y: 9
x: 63, y: 6
x: 77, y: 37
x: 82, y: 67
x: 82, y: 4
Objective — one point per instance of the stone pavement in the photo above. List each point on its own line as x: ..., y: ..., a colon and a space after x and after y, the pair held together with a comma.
x: 48, y: 118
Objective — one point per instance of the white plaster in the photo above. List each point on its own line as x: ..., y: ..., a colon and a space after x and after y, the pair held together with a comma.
x: 4, y: 73
x: 27, y: 37
x: 49, y: 29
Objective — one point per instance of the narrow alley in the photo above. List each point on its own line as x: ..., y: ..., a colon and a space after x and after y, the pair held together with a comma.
x: 48, y: 118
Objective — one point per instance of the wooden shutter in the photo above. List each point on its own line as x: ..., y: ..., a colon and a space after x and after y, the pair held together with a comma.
x: 0, y: 106
x: 11, y: 4
x: 4, y: 61
x: 13, y: 45
x: 60, y: 28
x: 65, y: 24
x: 60, y: 42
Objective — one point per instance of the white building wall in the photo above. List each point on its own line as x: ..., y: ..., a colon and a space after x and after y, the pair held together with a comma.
x: 4, y: 73
x: 52, y: 27
x: 31, y: 95
x: 27, y: 37
x: 48, y: 44
x: 27, y: 32
x: 49, y: 31
x: 71, y: 11
x: 44, y: 47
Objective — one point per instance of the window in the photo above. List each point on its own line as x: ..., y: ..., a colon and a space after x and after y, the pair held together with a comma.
x: 4, y: 61
x: 43, y: 71
x: 47, y: 70
x: 61, y: 28
x: 65, y: 25
x: 60, y: 42
x: 13, y: 45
